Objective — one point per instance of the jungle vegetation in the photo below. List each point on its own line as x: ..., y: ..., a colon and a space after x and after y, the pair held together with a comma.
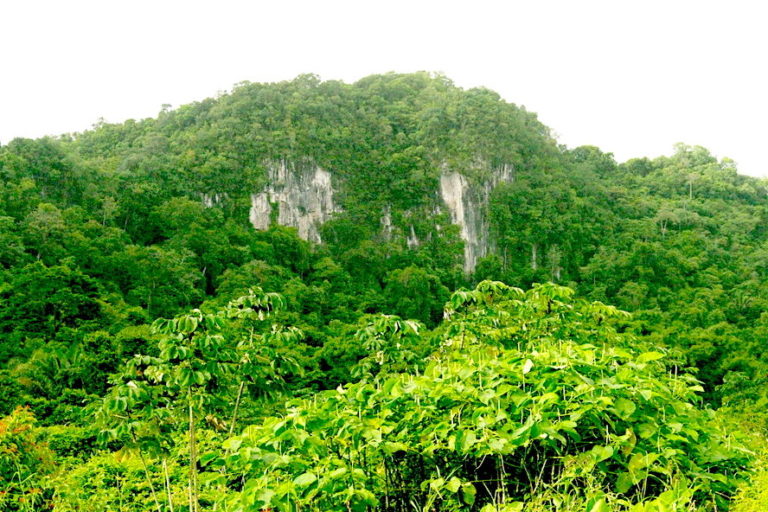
x: 157, y: 353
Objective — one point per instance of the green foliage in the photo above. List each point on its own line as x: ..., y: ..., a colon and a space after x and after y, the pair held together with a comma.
x: 41, y: 299
x: 528, y: 390
x: 414, y: 293
x: 118, y: 481
x: 104, y: 482
x: 390, y: 344
x: 200, y: 356
x: 104, y: 231
x: 24, y: 463
x: 10, y: 393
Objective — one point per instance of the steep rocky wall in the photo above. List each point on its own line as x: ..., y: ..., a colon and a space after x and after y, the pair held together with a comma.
x: 303, y: 195
x: 467, y: 204
x: 211, y: 200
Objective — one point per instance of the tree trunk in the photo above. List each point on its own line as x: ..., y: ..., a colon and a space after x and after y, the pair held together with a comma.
x: 146, y: 474
x: 167, y: 485
x: 237, y: 406
x: 193, y: 505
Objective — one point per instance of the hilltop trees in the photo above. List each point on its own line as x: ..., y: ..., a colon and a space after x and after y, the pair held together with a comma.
x: 103, y: 232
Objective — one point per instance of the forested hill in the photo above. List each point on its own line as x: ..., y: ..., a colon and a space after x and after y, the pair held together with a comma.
x: 352, y: 200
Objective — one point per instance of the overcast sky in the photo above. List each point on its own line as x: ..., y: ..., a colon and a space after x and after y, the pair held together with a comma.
x: 631, y: 77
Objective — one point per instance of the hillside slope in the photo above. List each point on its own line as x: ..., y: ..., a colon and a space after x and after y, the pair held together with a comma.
x: 353, y: 200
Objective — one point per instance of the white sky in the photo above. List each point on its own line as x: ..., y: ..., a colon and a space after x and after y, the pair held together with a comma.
x: 631, y: 77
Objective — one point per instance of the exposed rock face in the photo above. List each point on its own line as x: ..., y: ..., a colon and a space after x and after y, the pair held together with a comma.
x: 386, y: 223
x: 412, y: 240
x: 211, y: 200
x: 468, y: 204
x: 303, y: 195
x: 302, y: 192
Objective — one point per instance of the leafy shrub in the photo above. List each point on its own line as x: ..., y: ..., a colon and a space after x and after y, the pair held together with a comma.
x: 24, y: 464
x: 120, y: 481
x: 529, y: 392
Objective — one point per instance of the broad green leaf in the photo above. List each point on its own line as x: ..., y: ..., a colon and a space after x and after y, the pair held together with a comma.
x: 623, y: 482
x: 640, y: 461
x: 468, y: 439
x: 453, y: 485
x: 436, y: 484
x: 527, y: 366
x: 265, y: 496
x: 602, y: 452
x: 624, y: 408
x: 647, y: 357
x: 468, y: 493
x: 337, y: 473
x: 599, y: 506
x: 304, y: 480
x: 232, y: 444
x: 646, y: 430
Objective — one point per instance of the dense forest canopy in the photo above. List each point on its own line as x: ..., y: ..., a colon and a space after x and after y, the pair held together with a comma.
x: 159, y: 353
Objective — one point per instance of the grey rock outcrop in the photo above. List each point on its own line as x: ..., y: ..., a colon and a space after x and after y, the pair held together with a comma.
x: 303, y: 195
x: 467, y: 204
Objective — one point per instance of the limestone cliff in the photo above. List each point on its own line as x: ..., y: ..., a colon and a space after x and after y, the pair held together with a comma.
x: 303, y: 195
x: 468, y: 205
